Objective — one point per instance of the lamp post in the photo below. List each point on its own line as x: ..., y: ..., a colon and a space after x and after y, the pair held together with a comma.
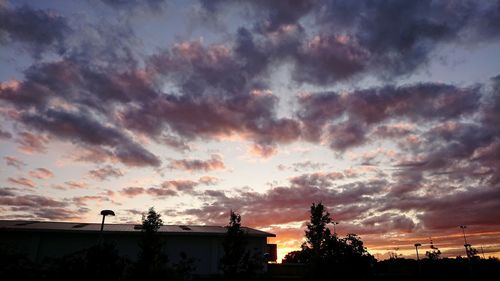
x: 105, y: 213
x: 418, y: 258
x: 416, y: 249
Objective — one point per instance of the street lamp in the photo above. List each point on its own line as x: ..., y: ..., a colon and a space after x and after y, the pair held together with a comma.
x: 416, y: 249
x: 105, y: 213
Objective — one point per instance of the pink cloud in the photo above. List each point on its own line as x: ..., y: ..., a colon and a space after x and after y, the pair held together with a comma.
x: 30, y: 143
x: 22, y: 181
x: 214, y: 163
x: 14, y: 162
x: 41, y: 173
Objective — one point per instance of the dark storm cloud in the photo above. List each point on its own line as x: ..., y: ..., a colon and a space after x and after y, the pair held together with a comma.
x: 326, y: 59
x: 38, y: 30
x: 272, y: 13
x: 220, y: 90
x: 219, y: 97
x: 415, y: 102
x: 250, y: 116
x: 222, y: 93
x: 83, y: 128
x: 384, y: 38
x: 321, y: 113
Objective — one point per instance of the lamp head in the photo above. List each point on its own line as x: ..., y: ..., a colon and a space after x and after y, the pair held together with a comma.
x: 107, y: 213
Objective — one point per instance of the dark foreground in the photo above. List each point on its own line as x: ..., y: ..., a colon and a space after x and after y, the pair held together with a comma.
x: 102, y: 265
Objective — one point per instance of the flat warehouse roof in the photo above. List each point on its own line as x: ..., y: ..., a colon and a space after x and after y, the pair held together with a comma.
x: 41, y: 226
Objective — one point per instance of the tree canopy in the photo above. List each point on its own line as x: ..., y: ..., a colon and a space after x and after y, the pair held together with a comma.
x: 325, y: 253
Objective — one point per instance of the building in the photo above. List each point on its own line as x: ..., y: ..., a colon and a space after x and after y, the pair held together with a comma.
x: 55, y: 239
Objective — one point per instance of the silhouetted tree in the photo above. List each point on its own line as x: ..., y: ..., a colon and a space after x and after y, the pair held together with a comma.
x: 328, y: 255
x: 317, y: 232
x: 152, y: 261
x: 302, y: 256
x: 238, y: 263
x: 434, y: 253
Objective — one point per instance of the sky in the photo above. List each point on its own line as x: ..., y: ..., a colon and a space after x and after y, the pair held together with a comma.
x: 387, y: 112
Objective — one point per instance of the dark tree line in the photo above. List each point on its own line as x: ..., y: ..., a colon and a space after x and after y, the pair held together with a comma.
x: 326, y: 256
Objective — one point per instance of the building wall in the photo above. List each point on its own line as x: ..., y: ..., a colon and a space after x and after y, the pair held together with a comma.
x: 205, y: 250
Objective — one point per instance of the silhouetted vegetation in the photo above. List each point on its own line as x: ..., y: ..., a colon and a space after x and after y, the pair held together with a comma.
x: 99, y: 262
x: 323, y: 256
x: 437, y: 269
x: 238, y: 263
x: 434, y: 253
x: 324, y: 251
x: 151, y: 262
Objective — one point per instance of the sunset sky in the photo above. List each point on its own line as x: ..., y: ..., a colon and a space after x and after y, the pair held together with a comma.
x: 388, y: 112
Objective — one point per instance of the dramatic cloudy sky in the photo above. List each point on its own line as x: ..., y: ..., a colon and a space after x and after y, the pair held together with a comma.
x: 386, y: 111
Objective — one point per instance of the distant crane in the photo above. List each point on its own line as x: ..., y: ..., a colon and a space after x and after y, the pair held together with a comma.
x: 468, y: 248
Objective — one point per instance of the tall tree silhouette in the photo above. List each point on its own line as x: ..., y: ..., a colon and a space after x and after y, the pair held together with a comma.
x: 238, y: 263
x: 152, y: 261
x: 327, y: 255
x: 317, y: 232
